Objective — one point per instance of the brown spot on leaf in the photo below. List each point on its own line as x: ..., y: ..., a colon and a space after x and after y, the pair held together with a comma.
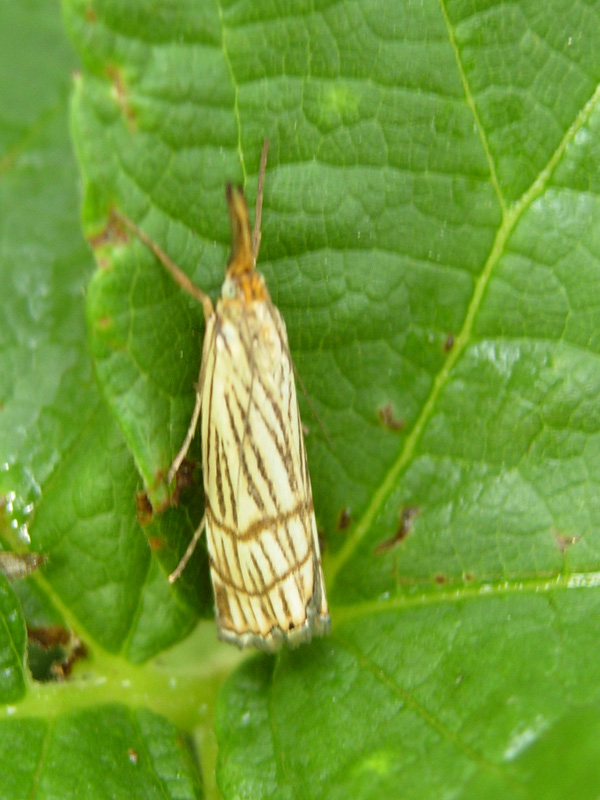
x: 184, y: 479
x: 49, y: 636
x: 469, y: 577
x: 563, y: 542
x: 155, y: 542
x: 386, y: 415
x: 448, y: 342
x: 440, y: 578
x: 406, y: 517
x: 103, y: 323
x: 90, y: 14
x: 344, y: 519
x: 132, y: 755
x: 322, y: 541
x: 143, y: 508
x: 115, y: 74
x: 159, y: 481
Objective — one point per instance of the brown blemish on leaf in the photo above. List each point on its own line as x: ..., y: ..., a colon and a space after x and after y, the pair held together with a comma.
x: 78, y: 652
x: 184, y: 479
x: 344, y: 519
x: 563, y: 542
x: 143, y: 508
x: 159, y: 480
x: 386, y: 415
x: 90, y: 14
x: 103, y: 323
x: 47, y: 637
x: 155, y: 542
x: 132, y: 755
x: 111, y: 233
x: 120, y: 93
x: 406, y: 517
x: 469, y: 577
x: 440, y: 578
x: 322, y: 541
x: 448, y: 342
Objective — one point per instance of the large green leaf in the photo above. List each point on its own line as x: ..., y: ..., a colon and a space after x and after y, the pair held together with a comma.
x: 430, y: 236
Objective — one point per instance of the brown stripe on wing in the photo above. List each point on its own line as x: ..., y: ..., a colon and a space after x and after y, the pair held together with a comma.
x: 266, y: 587
x: 207, y: 444
x: 260, y: 464
x: 303, y: 511
x: 285, y: 450
x: 231, y: 493
x: 290, y: 540
x: 266, y: 598
x: 222, y: 603
x: 252, y: 488
x: 219, y: 460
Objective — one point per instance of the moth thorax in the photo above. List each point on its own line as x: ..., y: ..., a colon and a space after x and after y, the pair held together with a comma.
x: 247, y: 287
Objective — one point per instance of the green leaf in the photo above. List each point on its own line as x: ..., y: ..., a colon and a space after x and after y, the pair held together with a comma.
x: 107, y: 752
x: 430, y: 236
x: 12, y: 645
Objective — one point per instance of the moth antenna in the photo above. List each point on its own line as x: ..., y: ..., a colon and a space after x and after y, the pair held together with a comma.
x: 256, y: 231
x: 241, y: 260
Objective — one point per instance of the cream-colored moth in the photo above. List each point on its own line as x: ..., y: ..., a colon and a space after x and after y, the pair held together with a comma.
x: 260, y: 524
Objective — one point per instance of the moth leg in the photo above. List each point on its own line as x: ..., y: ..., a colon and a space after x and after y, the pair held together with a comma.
x: 183, y: 451
x: 178, y: 275
x: 188, y: 553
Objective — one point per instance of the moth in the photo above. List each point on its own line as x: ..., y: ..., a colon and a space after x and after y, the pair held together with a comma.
x: 262, y: 539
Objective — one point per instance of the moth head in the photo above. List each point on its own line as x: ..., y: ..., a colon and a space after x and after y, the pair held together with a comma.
x: 241, y: 260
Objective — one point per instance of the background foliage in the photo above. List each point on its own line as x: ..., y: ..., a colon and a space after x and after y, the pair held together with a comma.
x: 430, y: 235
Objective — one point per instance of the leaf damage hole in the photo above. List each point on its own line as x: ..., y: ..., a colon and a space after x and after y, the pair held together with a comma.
x: 388, y: 418
x: 406, y: 517
x: 344, y: 519
x: 52, y: 652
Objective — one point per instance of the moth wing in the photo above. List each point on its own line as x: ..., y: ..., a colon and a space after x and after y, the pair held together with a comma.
x: 261, y: 529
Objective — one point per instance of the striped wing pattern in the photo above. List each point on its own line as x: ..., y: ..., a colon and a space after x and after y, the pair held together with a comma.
x: 260, y: 524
